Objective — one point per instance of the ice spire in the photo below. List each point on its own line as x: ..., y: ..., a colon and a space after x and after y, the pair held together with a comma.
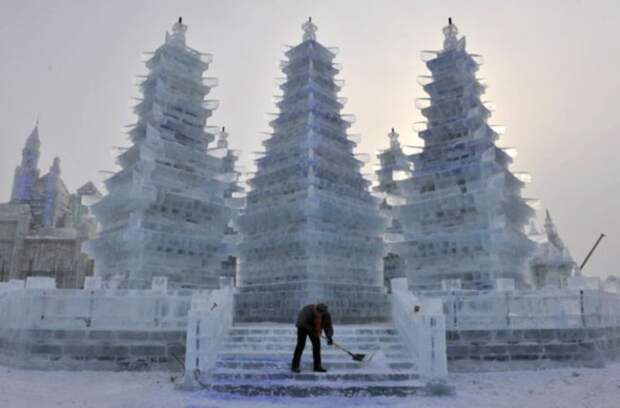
x: 33, y: 140
x: 222, y: 141
x: 451, y: 35
x: 27, y: 172
x: 178, y: 33
x: 552, y: 232
x: 394, y: 143
x: 310, y: 30
x: 50, y: 193
x: 55, y: 167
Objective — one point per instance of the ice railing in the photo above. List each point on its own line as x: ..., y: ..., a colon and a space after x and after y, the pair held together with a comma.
x: 210, y: 318
x: 556, y: 309
x: 37, y: 304
x: 421, y: 323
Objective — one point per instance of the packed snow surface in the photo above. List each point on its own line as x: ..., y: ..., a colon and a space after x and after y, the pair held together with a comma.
x: 557, y: 388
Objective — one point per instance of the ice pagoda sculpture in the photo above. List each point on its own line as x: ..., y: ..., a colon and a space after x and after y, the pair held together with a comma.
x: 165, y: 213
x: 462, y: 213
x: 394, y: 165
x: 311, y: 230
x: 234, y: 195
x: 552, y: 264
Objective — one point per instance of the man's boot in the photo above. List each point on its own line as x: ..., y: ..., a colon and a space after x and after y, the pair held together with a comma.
x: 319, y: 370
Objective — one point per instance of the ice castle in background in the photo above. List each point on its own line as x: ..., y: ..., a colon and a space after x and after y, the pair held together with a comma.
x: 44, y: 225
x: 166, y: 211
x: 311, y: 229
x: 461, y: 210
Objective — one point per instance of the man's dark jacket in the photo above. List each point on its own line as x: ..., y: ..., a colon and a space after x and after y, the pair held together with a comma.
x: 307, y: 317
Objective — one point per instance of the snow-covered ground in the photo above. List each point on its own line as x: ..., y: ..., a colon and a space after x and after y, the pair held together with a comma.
x: 556, y: 388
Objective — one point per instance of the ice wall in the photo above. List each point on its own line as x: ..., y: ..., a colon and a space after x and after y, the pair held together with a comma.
x: 43, y: 327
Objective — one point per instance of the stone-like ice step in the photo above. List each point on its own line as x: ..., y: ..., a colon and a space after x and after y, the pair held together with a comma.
x: 292, y: 331
x: 254, y: 360
x: 280, y: 355
x: 349, y: 339
x: 260, y: 376
x: 310, y: 389
x: 364, y: 347
x: 285, y: 365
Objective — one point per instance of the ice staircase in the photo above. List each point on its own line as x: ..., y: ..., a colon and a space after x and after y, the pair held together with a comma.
x: 255, y: 359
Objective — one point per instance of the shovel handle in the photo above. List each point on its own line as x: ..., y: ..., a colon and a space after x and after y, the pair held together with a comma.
x: 338, y: 346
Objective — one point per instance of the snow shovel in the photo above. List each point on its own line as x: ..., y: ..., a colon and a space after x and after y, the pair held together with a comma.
x: 355, y: 356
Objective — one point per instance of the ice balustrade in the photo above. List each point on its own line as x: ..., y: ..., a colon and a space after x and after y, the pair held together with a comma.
x: 37, y: 305
x: 422, y: 324
x: 543, y: 309
x: 210, y: 317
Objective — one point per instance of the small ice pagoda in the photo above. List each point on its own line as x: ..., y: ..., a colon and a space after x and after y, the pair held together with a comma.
x: 552, y: 263
x: 311, y: 230
x: 461, y: 210
x: 394, y: 165
x: 165, y: 213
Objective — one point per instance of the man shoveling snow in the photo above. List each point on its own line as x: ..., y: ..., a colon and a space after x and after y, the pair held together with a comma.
x: 311, y: 321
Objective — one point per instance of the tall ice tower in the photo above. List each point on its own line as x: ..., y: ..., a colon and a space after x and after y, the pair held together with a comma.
x: 462, y: 216
x: 311, y: 229
x: 165, y: 212
x: 27, y: 173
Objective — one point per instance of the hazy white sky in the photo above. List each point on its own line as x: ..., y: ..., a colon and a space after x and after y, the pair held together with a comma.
x: 553, y: 69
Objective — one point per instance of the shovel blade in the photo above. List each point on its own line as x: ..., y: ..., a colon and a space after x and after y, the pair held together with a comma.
x: 358, y: 357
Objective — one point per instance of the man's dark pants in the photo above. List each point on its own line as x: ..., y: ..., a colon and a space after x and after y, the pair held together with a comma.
x: 301, y: 343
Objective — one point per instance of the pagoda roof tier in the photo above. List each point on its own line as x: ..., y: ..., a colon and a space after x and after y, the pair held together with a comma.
x: 150, y: 130
x: 456, y: 131
x: 180, y: 55
x: 322, y: 168
x: 496, y: 235
x: 189, y: 86
x: 451, y: 88
x: 322, y: 144
x: 175, y: 152
x: 316, y: 120
x: 323, y: 85
x: 300, y: 128
x: 287, y: 214
x: 314, y: 232
x: 306, y: 98
x: 310, y: 63
x: 176, y: 100
x: 453, y: 60
x: 447, y: 111
x: 298, y: 162
x: 298, y: 188
x: 206, y: 165
x: 458, y: 210
x: 311, y: 46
